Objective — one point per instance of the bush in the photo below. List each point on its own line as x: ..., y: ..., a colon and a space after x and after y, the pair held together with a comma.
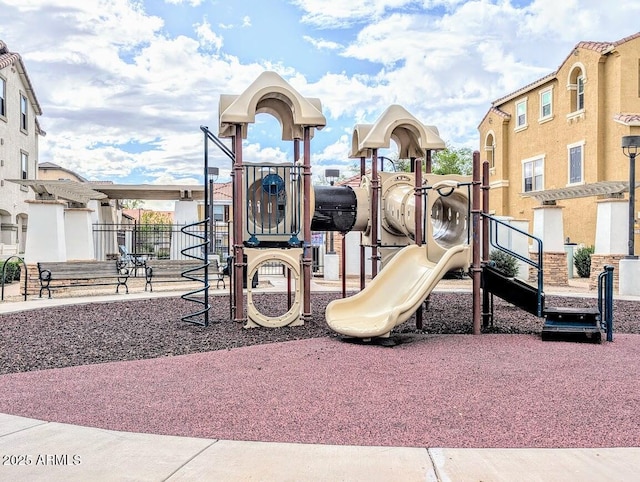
x: 504, y: 262
x: 582, y: 260
x: 12, y: 272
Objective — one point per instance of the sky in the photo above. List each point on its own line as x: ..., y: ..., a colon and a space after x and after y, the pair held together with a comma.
x: 124, y: 85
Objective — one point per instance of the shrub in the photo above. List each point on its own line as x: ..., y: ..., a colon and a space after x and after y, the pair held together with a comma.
x: 12, y: 272
x: 582, y: 260
x: 504, y: 262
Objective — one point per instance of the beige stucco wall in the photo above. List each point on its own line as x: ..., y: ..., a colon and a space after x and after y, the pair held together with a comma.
x: 12, y: 142
x: 612, y: 86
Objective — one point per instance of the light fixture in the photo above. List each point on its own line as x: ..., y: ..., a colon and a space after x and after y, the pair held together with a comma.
x: 630, y: 147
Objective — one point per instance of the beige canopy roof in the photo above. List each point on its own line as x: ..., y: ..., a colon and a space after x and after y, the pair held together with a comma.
x: 411, y: 136
x: 602, y: 188
x: 83, y: 192
x: 270, y: 94
x: 61, y: 189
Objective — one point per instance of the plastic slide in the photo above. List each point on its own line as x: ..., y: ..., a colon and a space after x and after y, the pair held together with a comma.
x: 395, y: 294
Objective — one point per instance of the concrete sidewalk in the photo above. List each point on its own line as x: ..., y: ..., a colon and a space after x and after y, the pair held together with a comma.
x: 35, y: 450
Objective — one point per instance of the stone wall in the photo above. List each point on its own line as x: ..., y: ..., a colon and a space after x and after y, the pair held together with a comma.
x: 554, y: 267
x: 598, y: 262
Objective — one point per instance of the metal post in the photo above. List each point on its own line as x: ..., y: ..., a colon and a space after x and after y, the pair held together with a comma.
x: 212, y: 174
x: 609, y: 301
x: 630, y: 146
x: 332, y: 175
x: 484, y: 247
x: 475, y: 267
x: 306, y: 254
x: 375, y: 184
x: 632, y: 204
x: 343, y: 268
x: 238, y: 249
x: 416, y: 167
x: 363, y: 170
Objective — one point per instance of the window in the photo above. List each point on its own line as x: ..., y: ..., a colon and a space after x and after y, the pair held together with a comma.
x: 23, y: 113
x: 521, y: 114
x: 532, y: 174
x: 576, y: 153
x: 490, y: 149
x: 575, y: 85
x: 580, y: 93
x: 218, y: 212
x: 24, y: 165
x: 546, y: 110
x: 3, y: 97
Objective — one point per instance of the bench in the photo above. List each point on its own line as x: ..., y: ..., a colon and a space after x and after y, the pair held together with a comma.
x: 170, y: 270
x: 70, y: 274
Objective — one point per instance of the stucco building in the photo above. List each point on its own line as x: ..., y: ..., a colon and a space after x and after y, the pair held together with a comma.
x: 558, y: 140
x: 19, y: 135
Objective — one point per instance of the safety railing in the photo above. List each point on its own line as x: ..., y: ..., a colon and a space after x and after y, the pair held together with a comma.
x: 494, y: 240
x: 273, y: 202
x: 605, y: 300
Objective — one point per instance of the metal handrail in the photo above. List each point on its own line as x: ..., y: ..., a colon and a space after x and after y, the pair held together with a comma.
x: 494, y: 224
x: 605, y: 300
x: 4, y: 272
x: 219, y: 144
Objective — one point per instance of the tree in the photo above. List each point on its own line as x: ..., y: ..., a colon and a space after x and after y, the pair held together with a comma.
x: 131, y: 203
x: 453, y: 161
x: 155, y: 217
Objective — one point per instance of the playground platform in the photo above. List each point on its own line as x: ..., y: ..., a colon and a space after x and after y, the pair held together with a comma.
x: 43, y: 449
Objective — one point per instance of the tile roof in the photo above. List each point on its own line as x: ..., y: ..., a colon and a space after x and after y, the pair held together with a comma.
x: 223, y: 190
x: 8, y: 58
x: 600, y: 47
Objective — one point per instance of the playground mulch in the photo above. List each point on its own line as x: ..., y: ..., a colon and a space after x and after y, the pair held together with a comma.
x: 120, y: 366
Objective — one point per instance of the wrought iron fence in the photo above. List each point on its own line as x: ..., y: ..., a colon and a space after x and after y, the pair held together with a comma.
x: 160, y: 241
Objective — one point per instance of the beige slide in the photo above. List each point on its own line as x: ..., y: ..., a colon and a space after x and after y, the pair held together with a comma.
x: 395, y: 294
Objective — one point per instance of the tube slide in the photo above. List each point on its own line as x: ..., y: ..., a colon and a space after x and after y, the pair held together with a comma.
x: 395, y: 294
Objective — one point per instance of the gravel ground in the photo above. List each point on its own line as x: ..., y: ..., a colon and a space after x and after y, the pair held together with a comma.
x: 500, y: 389
x: 102, y: 332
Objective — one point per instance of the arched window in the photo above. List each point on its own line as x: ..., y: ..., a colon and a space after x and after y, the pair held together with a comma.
x: 576, y: 82
x: 490, y: 149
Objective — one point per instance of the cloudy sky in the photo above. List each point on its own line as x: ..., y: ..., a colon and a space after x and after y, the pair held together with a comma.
x: 125, y: 84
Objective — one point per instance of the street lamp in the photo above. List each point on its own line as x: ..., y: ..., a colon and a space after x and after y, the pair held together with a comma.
x: 630, y: 147
x: 212, y: 174
x: 332, y: 176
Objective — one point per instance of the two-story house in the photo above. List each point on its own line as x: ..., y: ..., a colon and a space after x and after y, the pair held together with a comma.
x: 19, y: 134
x: 559, y: 138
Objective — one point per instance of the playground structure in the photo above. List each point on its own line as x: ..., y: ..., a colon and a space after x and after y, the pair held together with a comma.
x: 275, y: 207
x: 418, y: 226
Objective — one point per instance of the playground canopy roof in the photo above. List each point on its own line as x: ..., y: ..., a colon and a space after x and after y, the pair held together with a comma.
x: 270, y: 94
x: 411, y: 136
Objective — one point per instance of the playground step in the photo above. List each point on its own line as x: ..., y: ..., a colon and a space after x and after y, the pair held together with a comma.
x: 573, y: 324
x: 512, y: 290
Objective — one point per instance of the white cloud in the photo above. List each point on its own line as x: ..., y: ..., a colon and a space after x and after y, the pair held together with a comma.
x: 193, y: 3
x: 322, y: 44
x: 207, y: 37
x: 108, y: 74
x: 340, y: 13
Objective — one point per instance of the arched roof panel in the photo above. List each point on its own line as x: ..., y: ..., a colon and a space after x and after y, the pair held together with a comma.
x: 414, y: 138
x: 360, y: 131
x: 272, y: 94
